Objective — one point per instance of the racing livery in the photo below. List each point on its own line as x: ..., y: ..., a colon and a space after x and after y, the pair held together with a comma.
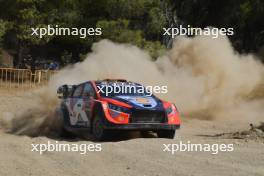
x: 90, y: 106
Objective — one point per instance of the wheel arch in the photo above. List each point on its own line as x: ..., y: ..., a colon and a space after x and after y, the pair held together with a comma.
x: 97, y: 109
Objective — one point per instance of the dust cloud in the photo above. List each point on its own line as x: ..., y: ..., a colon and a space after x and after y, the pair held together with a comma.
x: 206, y: 79
x: 205, y: 76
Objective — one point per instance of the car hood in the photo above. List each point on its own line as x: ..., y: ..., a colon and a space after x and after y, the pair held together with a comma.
x: 141, y: 102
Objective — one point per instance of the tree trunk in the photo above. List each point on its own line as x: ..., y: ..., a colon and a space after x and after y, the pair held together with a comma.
x: 19, y: 56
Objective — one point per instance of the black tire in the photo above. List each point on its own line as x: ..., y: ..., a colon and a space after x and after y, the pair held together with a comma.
x: 66, y: 117
x: 99, y: 133
x: 169, y: 134
x: 57, y: 122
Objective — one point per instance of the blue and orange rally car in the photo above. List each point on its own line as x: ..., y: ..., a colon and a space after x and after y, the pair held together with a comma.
x: 96, y: 106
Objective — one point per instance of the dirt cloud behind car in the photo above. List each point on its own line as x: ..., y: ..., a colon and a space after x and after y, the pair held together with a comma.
x: 206, y: 79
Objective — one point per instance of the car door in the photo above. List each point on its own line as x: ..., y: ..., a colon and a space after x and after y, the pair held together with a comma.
x: 76, y: 106
x: 88, y: 101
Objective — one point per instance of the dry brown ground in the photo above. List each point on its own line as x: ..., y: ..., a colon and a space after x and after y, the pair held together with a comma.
x: 135, y: 155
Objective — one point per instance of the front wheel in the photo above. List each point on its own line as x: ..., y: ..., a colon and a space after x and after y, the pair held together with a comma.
x: 166, y: 134
x: 98, y: 130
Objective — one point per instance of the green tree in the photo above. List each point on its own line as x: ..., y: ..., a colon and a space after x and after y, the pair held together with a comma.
x: 138, y: 22
x: 3, y: 28
x: 245, y: 16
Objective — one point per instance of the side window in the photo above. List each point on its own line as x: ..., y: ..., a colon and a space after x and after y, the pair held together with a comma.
x: 88, y: 90
x: 78, y: 91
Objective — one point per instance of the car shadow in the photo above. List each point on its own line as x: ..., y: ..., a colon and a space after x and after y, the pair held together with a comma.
x: 117, y: 136
x: 113, y: 136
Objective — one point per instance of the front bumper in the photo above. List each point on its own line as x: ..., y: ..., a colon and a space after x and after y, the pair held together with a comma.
x: 141, y: 126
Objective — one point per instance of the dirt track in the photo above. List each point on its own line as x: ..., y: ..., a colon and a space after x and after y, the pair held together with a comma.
x: 134, y: 156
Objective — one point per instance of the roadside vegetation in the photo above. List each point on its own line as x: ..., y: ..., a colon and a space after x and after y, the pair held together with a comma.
x: 138, y: 22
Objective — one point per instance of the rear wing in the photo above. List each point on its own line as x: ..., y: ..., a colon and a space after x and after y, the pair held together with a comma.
x: 65, y: 90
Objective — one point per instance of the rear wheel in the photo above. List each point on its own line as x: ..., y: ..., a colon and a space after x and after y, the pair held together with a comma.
x: 98, y: 130
x: 166, y: 134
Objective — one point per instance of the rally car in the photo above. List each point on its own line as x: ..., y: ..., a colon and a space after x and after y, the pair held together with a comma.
x: 96, y: 107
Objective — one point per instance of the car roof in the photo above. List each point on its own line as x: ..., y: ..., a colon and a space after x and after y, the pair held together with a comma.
x: 110, y: 82
x: 115, y: 81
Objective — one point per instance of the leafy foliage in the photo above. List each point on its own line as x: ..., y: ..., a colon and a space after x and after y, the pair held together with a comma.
x: 245, y: 16
x: 138, y: 22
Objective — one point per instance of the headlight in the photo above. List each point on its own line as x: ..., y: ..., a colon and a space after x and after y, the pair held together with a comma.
x: 118, y: 108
